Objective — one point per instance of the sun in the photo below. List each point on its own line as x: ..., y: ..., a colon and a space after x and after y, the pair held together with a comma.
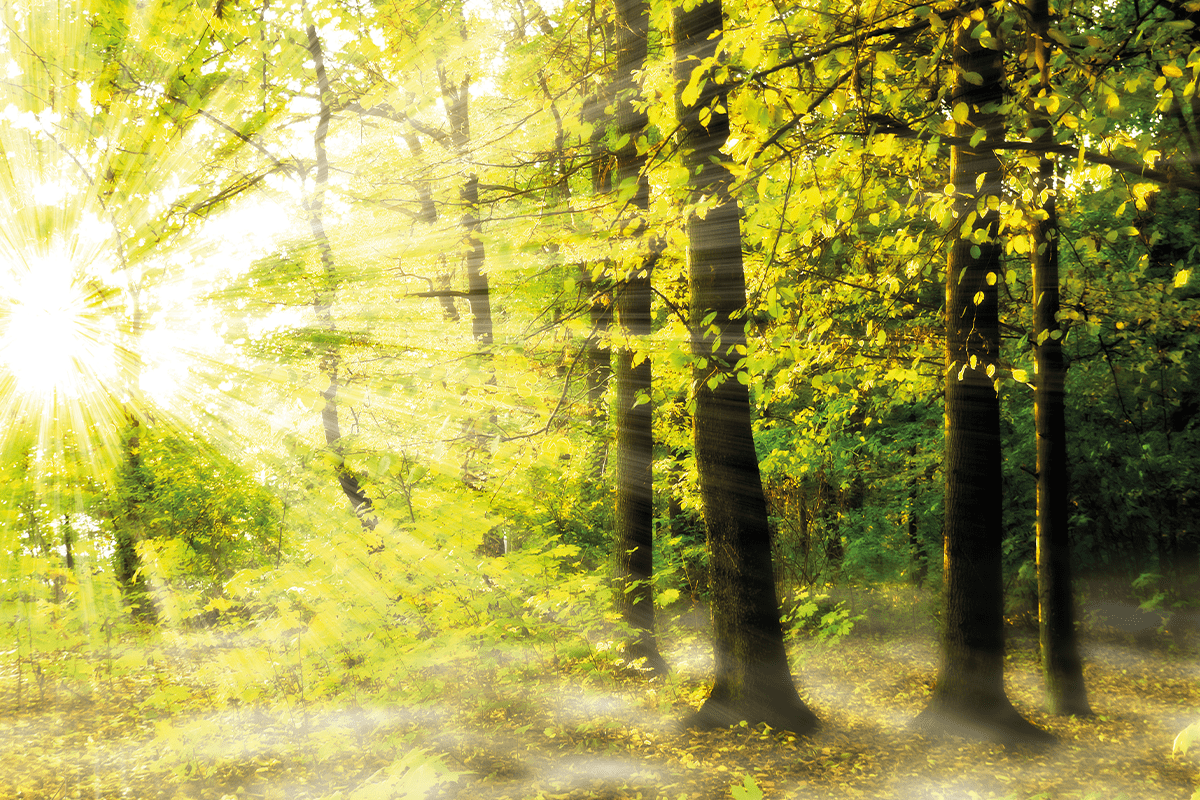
x: 53, y: 340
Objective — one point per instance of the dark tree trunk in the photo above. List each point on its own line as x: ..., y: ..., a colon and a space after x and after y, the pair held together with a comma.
x: 916, y: 545
x: 635, y: 500
x: 753, y: 681
x: 1061, y: 665
x: 969, y: 697
x: 331, y: 358
x: 128, y: 525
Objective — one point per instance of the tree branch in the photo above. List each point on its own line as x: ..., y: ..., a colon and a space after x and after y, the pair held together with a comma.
x: 882, y: 123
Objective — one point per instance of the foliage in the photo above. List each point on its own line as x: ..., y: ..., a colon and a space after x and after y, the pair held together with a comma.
x: 203, y: 516
x: 816, y: 615
x: 141, y: 137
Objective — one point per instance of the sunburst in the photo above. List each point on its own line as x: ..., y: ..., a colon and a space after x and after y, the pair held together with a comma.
x: 54, y: 338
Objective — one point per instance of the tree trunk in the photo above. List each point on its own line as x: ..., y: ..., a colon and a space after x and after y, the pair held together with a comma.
x: 916, y: 545
x: 129, y: 527
x: 753, y: 681
x: 1061, y: 665
x: 635, y: 500
x: 331, y: 359
x: 599, y: 291
x: 969, y: 697
x: 441, y: 284
x: 456, y: 98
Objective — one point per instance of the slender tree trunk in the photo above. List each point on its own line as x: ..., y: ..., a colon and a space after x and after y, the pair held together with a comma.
x: 429, y: 216
x: 753, y: 681
x: 456, y: 97
x: 599, y: 291
x: 457, y: 100
x: 916, y: 545
x: 635, y: 500
x: 969, y: 697
x: 331, y: 359
x: 1061, y: 665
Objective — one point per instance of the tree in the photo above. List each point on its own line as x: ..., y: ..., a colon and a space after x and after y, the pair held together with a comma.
x: 1061, y: 665
x: 331, y: 358
x: 753, y: 681
x: 634, y: 502
x: 969, y: 695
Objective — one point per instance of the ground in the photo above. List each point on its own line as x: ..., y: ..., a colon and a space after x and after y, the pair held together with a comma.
x: 161, y: 731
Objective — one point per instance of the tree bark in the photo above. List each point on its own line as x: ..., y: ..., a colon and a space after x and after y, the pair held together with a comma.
x: 753, y: 681
x: 1061, y: 666
x: 635, y: 441
x: 969, y: 697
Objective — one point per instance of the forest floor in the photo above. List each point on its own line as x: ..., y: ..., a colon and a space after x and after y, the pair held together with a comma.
x: 158, y: 732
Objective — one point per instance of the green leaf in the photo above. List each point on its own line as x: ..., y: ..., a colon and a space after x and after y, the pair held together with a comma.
x: 961, y: 112
x: 747, y: 791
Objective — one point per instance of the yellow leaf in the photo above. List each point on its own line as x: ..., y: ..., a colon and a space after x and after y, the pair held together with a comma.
x: 1172, y: 71
x: 1049, y: 103
x: 961, y: 112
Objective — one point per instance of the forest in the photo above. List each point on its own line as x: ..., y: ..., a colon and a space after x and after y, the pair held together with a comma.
x: 588, y: 399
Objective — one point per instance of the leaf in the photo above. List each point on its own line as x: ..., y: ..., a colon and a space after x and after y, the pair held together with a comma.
x: 1050, y: 103
x: 1186, y: 738
x: 961, y: 112
x: 747, y: 791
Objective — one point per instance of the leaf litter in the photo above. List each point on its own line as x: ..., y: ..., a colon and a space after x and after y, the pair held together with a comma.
x: 162, y: 729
